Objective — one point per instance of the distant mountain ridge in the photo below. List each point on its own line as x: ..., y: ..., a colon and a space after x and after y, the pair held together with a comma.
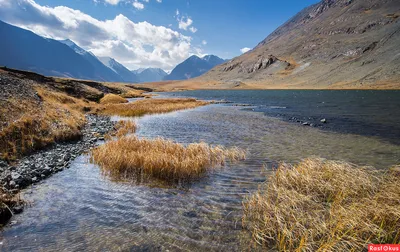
x: 194, y: 66
x: 23, y: 49
x: 118, y: 68
x: 150, y: 74
x: 107, y: 74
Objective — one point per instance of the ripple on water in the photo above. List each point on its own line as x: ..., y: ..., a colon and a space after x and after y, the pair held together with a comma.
x: 79, y: 209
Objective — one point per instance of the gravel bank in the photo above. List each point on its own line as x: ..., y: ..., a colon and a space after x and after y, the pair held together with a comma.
x: 42, y: 164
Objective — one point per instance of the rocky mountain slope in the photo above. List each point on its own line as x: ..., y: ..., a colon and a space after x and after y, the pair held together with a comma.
x: 150, y: 74
x: 332, y: 44
x: 121, y: 70
x: 194, y: 66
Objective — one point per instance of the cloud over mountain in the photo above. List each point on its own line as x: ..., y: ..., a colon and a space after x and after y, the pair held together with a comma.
x: 120, y: 38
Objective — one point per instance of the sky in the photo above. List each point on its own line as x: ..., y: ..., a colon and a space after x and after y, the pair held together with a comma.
x: 154, y: 33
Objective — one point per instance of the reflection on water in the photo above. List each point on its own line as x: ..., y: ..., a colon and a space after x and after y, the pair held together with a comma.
x: 79, y: 209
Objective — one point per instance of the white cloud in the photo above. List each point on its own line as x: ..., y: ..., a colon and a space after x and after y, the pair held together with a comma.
x: 138, y: 5
x: 113, y: 2
x: 119, y: 38
x: 204, y: 42
x: 184, y: 23
x: 245, y: 49
x: 159, y: 1
x: 193, y: 29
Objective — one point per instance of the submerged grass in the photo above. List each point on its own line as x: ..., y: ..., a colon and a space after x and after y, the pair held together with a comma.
x: 150, y: 106
x: 130, y: 156
x: 321, y: 205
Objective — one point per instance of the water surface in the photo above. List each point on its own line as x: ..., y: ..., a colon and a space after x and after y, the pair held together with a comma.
x: 79, y: 209
x: 365, y: 112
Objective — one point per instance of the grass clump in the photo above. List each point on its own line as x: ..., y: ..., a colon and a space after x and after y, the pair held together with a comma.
x: 150, y: 106
x: 130, y: 156
x: 321, y: 205
x: 122, y: 128
x: 112, y: 99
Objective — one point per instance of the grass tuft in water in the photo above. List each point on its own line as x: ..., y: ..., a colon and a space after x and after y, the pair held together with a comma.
x: 321, y: 205
x: 130, y: 156
x: 150, y: 106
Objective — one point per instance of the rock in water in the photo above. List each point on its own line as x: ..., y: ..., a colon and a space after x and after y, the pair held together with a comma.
x: 5, y: 214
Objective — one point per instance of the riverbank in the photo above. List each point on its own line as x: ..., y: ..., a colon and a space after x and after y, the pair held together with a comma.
x: 47, y: 122
x: 34, y: 168
x: 81, y: 206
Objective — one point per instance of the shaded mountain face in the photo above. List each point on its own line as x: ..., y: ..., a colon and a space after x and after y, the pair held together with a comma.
x: 25, y: 50
x: 102, y: 72
x: 332, y: 44
x: 150, y: 74
x: 193, y: 67
x: 126, y: 75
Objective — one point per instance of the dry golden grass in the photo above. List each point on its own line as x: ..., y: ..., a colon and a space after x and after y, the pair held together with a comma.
x: 112, y: 99
x: 321, y: 205
x: 57, y: 118
x: 122, y: 128
x: 150, y: 106
x: 134, y: 94
x: 125, y: 90
x: 160, y: 158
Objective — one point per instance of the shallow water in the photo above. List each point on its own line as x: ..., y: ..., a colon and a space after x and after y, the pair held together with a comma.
x: 79, y: 209
x: 363, y: 112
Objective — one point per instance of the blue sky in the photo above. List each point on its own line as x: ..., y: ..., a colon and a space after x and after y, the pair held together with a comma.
x: 151, y: 33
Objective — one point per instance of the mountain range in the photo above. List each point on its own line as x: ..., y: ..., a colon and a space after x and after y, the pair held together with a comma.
x: 194, y: 66
x: 23, y: 49
x: 150, y: 74
x: 121, y: 70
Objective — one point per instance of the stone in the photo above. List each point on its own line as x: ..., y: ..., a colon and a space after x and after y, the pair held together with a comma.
x: 18, y: 209
x: 15, y: 176
x: 5, y: 214
x: 323, y: 120
x: 67, y: 157
x: 12, y: 183
x: 3, y: 164
x: 306, y: 123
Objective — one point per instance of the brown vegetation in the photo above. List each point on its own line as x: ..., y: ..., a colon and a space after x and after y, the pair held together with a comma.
x: 125, y: 90
x: 122, y: 128
x: 160, y: 158
x: 321, y: 205
x: 112, y: 99
x: 150, y: 106
x: 56, y: 118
